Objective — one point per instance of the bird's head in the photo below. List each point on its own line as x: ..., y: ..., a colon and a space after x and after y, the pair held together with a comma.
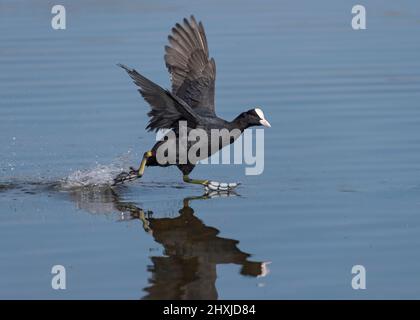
x: 255, y: 117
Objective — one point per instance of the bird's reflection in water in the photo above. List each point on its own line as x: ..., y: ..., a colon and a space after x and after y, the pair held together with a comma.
x: 192, y: 250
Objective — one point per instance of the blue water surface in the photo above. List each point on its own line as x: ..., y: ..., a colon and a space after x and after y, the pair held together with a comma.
x: 341, y: 180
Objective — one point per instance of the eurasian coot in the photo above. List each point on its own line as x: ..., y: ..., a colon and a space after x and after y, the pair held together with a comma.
x: 190, y: 102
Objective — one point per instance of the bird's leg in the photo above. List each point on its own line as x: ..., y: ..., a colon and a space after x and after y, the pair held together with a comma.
x: 211, y: 185
x: 134, y: 173
x: 142, y: 166
x: 187, y: 179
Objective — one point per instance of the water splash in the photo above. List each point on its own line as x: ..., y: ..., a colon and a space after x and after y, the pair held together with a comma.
x: 100, y: 175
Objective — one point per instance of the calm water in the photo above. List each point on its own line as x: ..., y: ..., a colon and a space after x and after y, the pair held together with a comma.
x: 341, y: 183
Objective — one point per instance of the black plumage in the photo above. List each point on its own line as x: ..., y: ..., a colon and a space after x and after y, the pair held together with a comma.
x: 193, y: 75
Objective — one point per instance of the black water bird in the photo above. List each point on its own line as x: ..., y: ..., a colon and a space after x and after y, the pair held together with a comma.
x: 191, y: 100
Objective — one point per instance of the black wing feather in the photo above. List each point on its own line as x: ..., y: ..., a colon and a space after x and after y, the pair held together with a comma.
x: 193, y: 73
x: 167, y: 109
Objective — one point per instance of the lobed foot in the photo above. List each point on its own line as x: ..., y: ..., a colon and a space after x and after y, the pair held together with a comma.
x: 220, y: 186
x: 126, y: 176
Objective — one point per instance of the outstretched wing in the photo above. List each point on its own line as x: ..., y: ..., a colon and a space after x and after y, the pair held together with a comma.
x: 193, y: 73
x: 167, y: 109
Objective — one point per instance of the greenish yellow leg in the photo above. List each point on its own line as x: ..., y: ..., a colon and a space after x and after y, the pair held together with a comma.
x: 140, y: 171
x: 212, y: 185
x: 187, y: 179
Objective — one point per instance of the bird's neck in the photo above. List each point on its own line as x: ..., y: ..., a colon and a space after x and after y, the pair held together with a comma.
x: 240, y: 122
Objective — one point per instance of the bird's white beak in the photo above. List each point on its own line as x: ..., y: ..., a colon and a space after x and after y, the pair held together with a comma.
x: 260, y: 114
x: 265, y: 123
